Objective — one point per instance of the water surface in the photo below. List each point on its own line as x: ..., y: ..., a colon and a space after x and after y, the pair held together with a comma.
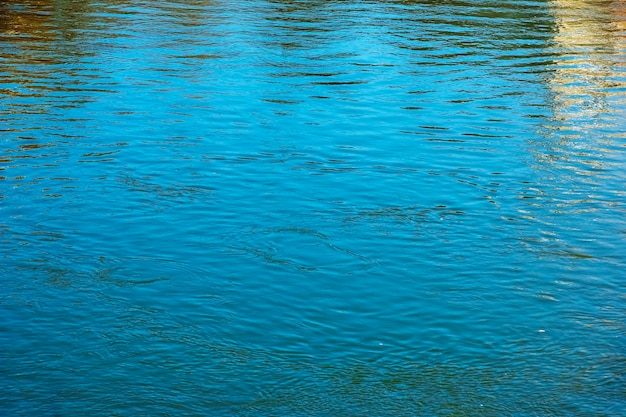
x: 312, y: 208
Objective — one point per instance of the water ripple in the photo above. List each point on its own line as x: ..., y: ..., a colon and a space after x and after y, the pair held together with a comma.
x: 312, y: 208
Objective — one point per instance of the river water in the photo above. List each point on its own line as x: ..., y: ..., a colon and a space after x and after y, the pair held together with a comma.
x: 312, y: 208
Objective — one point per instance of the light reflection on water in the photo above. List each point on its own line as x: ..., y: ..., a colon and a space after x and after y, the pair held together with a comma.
x: 312, y: 208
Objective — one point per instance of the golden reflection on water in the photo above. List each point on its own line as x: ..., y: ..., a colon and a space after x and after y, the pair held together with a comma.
x: 31, y: 18
x: 588, y: 78
x: 39, y: 75
x: 37, y: 45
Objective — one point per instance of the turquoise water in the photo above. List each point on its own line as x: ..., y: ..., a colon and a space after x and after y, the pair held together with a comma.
x: 312, y: 208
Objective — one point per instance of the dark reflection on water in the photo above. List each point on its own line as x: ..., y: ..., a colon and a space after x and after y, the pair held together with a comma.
x: 312, y: 207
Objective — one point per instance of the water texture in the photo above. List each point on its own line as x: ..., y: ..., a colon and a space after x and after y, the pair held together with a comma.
x: 312, y: 208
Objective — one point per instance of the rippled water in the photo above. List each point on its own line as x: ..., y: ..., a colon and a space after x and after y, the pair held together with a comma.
x: 313, y: 208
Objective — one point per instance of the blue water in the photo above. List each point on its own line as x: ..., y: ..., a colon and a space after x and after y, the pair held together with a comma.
x: 312, y: 208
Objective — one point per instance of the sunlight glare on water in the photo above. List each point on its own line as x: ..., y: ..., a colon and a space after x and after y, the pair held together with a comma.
x: 312, y: 208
